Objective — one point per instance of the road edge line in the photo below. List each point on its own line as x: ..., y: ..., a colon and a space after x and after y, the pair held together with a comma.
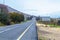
x: 24, y: 32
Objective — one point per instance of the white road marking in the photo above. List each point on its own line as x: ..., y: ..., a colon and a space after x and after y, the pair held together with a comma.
x: 19, y: 38
x: 10, y: 28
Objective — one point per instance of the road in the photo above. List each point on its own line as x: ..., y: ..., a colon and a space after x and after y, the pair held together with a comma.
x: 24, y: 31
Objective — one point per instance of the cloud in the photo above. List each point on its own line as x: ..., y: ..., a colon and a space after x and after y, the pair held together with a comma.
x: 36, y: 7
x: 42, y: 6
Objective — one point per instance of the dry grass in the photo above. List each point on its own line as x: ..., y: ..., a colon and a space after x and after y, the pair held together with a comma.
x: 48, y: 33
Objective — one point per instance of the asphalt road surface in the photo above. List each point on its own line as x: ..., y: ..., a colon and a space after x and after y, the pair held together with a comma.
x: 24, y: 31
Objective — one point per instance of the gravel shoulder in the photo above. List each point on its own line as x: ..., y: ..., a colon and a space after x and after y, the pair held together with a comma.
x: 47, y: 33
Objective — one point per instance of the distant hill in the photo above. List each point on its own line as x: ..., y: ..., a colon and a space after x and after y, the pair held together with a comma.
x: 10, y: 9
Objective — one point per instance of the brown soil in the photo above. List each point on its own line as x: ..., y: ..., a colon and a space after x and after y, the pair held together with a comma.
x: 48, y: 33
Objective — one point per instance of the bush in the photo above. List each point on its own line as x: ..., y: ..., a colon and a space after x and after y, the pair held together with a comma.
x: 1, y: 24
x: 4, y: 18
x: 11, y: 23
x: 16, y: 17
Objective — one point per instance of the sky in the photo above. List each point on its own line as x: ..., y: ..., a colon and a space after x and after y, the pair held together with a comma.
x: 36, y: 7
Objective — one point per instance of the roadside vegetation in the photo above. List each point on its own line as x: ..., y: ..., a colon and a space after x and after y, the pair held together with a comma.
x: 42, y: 38
x: 46, y: 28
x: 50, y: 24
x: 10, y: 18
x: 16, y: 18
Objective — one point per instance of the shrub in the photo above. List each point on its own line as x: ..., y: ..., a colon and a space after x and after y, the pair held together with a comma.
x: 1, y: 24
x: 4, y: 18
x: 16, y: 17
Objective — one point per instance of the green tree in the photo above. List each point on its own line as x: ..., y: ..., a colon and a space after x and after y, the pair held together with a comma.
x: 16, y: 17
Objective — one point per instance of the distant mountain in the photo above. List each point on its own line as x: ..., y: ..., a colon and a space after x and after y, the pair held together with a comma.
x: 9, y: 9
x: 14, y: 10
